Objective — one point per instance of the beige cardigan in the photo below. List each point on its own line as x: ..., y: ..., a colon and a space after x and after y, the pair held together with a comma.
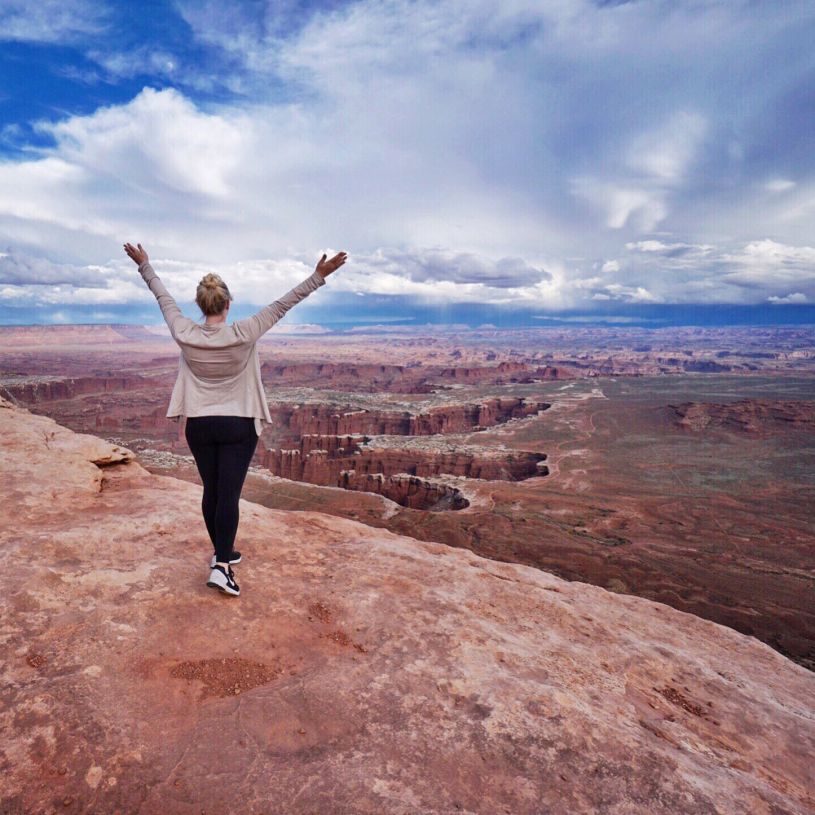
x: 219, y: 369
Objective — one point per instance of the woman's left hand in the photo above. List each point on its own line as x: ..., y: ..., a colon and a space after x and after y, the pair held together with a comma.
x: 137, y: 253
x: 326, y: 267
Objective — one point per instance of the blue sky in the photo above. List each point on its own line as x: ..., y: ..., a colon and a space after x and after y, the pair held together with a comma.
x: 513, y: 163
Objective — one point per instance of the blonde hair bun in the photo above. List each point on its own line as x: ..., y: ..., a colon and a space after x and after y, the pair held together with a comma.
x: 212, y: 294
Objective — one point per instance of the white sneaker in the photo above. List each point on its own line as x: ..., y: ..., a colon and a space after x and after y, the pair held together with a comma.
x: 219, y: 578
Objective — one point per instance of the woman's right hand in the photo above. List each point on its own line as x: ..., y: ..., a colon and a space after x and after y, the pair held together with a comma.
x: 137, y: 253
x: 325, y: 267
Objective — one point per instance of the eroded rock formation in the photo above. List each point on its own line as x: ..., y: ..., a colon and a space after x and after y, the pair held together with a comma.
x: 746, y: 415
x: 330, y: 449
x: 359, y: 671
x: 407, y: 490
x: 34, y: 390
x: 319, y: 460
x: 419, y: 378
x: 324, y: 418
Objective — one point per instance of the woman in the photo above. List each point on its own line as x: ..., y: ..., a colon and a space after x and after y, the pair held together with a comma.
x: 219, y: 391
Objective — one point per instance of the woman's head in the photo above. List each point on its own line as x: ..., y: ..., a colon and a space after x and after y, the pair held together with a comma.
x: 212, y: 295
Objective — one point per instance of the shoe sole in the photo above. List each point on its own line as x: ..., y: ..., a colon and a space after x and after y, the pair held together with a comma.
x: 223, y: 590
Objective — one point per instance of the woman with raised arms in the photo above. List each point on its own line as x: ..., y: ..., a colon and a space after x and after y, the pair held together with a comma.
x: 219, y: 391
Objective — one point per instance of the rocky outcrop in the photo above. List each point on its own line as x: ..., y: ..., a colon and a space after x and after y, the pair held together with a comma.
x: 403, y: 479
x: 319, y: 459
x: 359, y: 671
x: 746, y: 415
x: 407, y: 490
x: 324, y: 419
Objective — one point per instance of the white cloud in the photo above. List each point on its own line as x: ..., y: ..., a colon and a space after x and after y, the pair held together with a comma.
x: 768, y: 264
x: 770, y: 252
x: 752, y: 273
x: 655, y: 246
x: 23, y: 270
x: 666, y: 153
x: 636, y: 194
x: 647, y: 246
x: 770, y: 257
x: 630, y: 294
x: 779, y: 185
x: 157, y: 142
x: 637, y: 207
x: 797, y: 297
x: 513, y: 137
x: 137, y: 61
x: 427, y: 275
x: 457, y: 267
x: 51, y: 20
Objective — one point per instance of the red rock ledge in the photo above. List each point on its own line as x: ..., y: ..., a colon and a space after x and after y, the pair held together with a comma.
x: 359, y: 671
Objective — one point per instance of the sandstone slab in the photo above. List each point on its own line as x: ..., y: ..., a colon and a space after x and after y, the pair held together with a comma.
x: 359, y: 672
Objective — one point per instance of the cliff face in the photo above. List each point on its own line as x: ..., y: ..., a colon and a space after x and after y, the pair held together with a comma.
x: 359, y: 671
x: 320, y: 460
x: 328, y: 447
x: 324, y: 420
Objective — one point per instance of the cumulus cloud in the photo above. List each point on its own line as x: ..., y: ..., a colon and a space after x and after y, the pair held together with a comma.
x: 769, y: 263
x: 628, y: 294
x: 21, y: 270
x: 769, y: 252
x: 754, y: 272
x: 158, y: 142
x: 458, y: 267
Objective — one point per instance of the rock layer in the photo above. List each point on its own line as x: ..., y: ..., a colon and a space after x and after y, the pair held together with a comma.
x: 324, y: 419
x: 359, y: 671
x: 323, y: 459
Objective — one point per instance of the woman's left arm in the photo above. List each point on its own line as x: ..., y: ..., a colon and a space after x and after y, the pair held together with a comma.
x: 169, y: 308
x: 251, y: 329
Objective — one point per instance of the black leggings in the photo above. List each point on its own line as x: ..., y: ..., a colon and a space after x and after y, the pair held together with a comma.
x: 222, y: 447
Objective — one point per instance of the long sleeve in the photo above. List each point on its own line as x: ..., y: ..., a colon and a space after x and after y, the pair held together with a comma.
x: 254, y: 327
x: 172, y: 313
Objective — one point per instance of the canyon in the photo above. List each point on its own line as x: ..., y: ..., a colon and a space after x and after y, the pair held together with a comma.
x: 611, y: 458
